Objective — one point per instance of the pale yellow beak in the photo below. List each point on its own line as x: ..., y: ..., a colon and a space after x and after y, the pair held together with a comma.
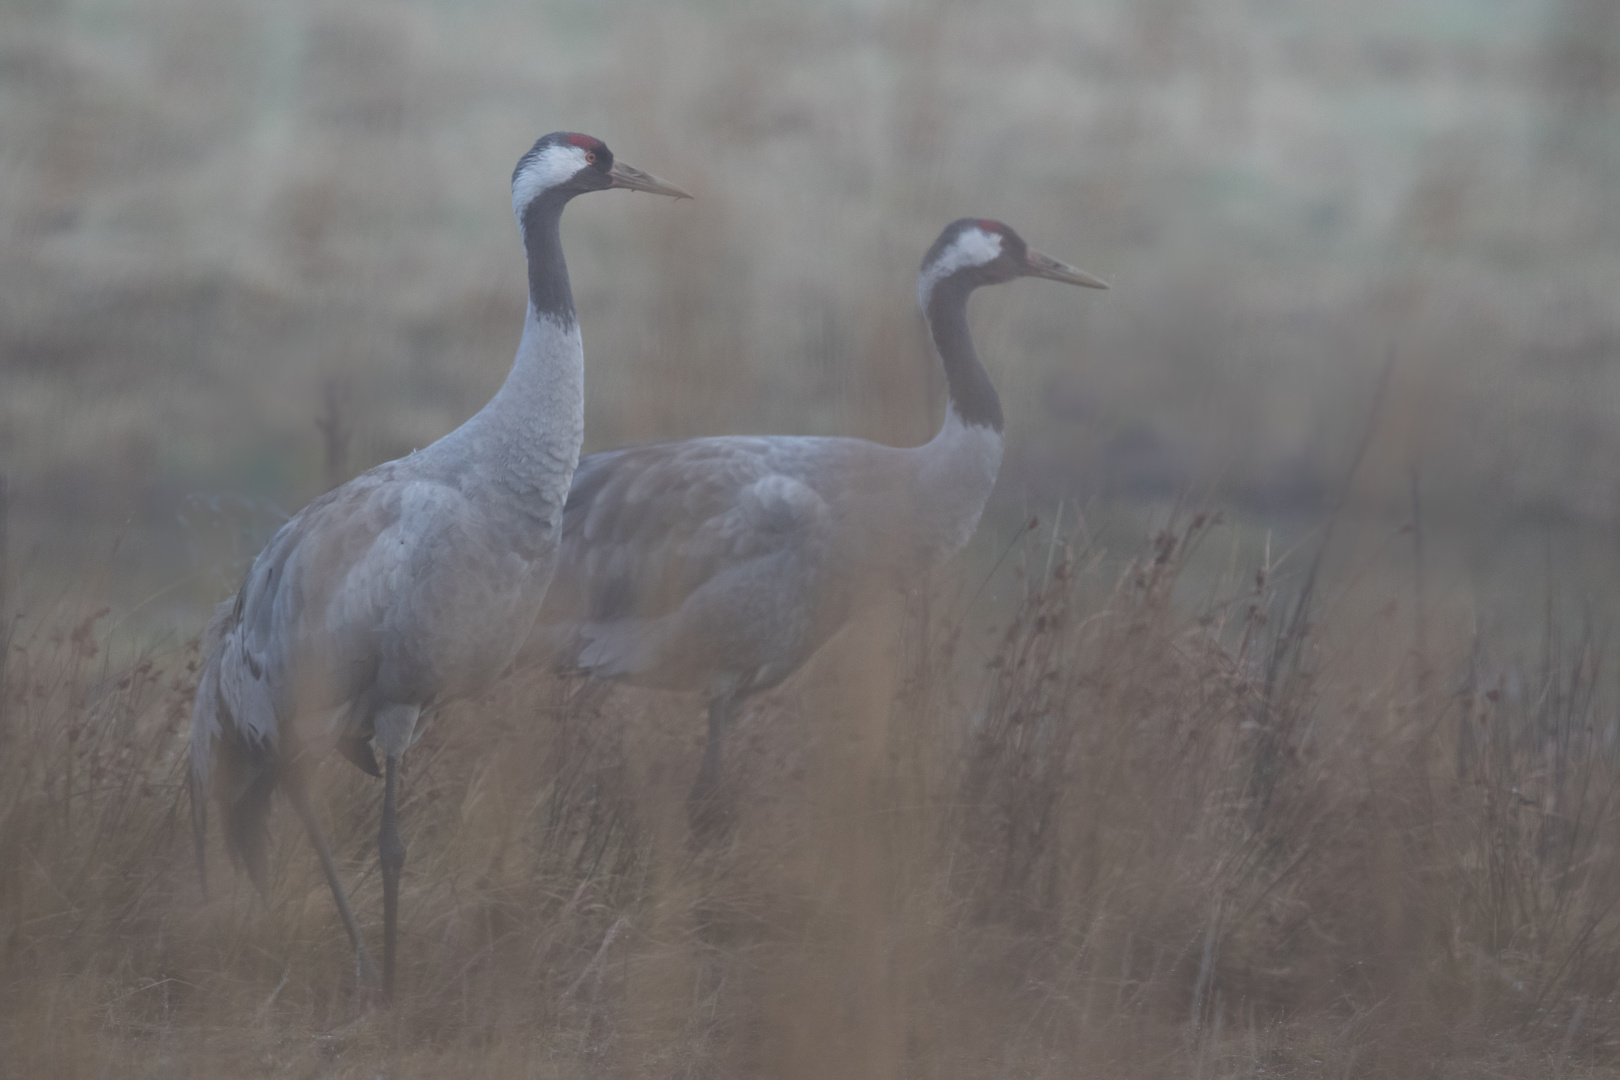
x: 633, y: 179
x: 1047, y: 267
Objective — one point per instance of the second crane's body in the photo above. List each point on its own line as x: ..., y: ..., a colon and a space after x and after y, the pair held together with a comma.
x: 721, y: 565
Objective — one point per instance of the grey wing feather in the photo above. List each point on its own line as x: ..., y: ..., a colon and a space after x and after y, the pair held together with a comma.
x: 352, y: 597
x: 648, y: 528
x: 205, y: 718
x: 326, y: 557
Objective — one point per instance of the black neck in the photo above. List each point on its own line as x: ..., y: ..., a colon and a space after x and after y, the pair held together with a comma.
x: 971, y: 393
x: 542, y: 243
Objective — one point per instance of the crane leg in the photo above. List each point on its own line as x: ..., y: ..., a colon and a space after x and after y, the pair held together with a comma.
x: 199, y: 831
x: 293, y: 785
x: 704, y: 805
x: 391, y: 851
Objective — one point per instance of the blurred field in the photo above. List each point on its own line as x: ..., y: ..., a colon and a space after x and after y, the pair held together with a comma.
x: 1104, y: 838
x: 212, y: 210
x: 1134, y: 819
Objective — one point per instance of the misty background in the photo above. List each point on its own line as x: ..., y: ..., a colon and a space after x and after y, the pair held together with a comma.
x: 224, y: 225
x: 1135, y: 790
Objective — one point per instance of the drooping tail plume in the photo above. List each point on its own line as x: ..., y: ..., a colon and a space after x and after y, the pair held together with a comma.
x: 228, y: 764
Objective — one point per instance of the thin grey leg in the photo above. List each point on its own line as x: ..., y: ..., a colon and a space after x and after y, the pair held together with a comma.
x: 293, y: 785
x: 391, y: 850
x: 708, y: 777
x: 199, y: 831
x: 707, y: 812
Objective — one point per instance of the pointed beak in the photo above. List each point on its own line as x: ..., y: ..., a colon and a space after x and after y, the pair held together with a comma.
x: 1038, y: 265
x: 625, y: 176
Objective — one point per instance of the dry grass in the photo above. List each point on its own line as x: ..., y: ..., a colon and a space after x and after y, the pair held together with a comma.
x: 216, y: 209
x: 1157, y: 822
x: 1050, y: 848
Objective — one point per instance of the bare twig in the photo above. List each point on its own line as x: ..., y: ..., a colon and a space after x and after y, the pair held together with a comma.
x: 1420, y: 637
x: 5, y: 607
x: 1288, y: 646
x: 594, y: 968
x: 336, y: 427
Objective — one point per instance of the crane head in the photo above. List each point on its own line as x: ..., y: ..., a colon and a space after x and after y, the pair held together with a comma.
x: 976, y: 251
x: 566, y: 163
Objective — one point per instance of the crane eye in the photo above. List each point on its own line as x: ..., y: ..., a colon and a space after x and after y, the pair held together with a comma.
x: 590, y: 157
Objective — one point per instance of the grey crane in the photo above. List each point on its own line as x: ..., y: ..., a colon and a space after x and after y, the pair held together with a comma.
x: 720, y: 565
x: 412, y: 584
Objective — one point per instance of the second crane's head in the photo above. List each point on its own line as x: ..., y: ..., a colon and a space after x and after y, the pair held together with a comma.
x: 564, y: 164
x: 974, y: 251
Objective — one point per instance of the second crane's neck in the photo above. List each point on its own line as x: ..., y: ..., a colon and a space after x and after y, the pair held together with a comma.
x: 958, y: 466
x: 528, y: 436
x: 972, y: 397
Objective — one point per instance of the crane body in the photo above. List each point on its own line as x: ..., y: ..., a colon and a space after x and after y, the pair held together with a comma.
x: 720, y: 565
x: 406, y: 587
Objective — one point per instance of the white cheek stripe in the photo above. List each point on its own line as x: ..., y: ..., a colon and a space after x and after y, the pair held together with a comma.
x: 974, y: 247
x: 548, y: 168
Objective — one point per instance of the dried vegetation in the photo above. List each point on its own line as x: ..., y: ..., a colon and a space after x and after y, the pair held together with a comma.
x: 1109, y: 836
x: 1102, y: 816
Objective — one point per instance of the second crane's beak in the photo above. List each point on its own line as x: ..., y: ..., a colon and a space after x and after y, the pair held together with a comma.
x: 1038, y: 265
x: 625, y: 176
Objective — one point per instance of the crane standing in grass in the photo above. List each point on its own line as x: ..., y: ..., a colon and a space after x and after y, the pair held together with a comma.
x: 721, y: 565
x: 411, y: 585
